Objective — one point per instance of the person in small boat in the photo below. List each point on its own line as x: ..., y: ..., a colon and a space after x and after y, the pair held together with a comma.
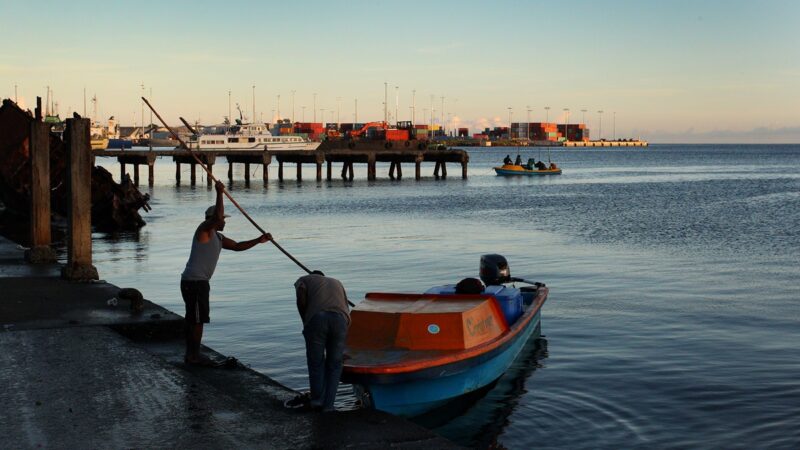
x: 518, y: 161
x: 322, y: 304
x: 507, y: 160
x: 530, y: 164
x: 207, y: 243
x: 553, y: 166
x: 540, y: 165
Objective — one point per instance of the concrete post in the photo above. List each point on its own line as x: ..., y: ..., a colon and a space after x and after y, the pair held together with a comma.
x: 247, y: 173
x: 330, y: 169
x: 399, y: 170
x: 280, y: 170
x: 40, y: 251
x: 193, y: 174
x: 371, y: 172
x: 417, y: 164
x: 151, y: 164
x: 230, y: 171
x: 136, y: 174
x: 299, y: 171
x: 79, y: 212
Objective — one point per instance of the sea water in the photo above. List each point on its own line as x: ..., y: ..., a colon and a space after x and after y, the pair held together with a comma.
x: 674, y: 312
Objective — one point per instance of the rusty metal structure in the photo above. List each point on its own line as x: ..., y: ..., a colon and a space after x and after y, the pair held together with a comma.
x: 115, y: 206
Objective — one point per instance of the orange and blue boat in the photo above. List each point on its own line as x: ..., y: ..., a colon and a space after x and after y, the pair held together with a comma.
x: 409, y: 354
x: 514, y: 170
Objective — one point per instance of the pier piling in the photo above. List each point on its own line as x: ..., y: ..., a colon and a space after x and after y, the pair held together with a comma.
x: 79, y: 221
x: 40, y: 251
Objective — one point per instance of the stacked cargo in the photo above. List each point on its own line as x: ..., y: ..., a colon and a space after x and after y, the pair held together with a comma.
x: 396, y: 135
x: 574, y: 132
x: 311, y: 129
x: 535, y: 131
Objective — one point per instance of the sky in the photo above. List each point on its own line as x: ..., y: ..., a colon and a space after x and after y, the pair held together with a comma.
x: 665, y: 71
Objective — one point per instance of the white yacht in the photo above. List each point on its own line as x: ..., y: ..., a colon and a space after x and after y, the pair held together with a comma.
x: 246, y: 136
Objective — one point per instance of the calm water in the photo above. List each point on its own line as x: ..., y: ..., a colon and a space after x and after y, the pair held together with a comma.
x: 673, y: 315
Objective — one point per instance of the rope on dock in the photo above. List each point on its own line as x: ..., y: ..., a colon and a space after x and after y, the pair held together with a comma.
x: 225, y: 191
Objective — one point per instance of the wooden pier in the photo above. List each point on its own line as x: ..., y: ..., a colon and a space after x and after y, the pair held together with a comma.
x: 344, y: 152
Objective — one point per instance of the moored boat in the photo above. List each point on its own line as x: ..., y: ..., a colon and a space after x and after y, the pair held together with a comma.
x: 516, y: 170
x: 408, y: 354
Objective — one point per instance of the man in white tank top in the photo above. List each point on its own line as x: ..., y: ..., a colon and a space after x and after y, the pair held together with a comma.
x: 206, y: 246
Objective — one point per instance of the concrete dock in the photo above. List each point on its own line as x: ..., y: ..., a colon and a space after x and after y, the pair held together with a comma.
x: 80, y: 369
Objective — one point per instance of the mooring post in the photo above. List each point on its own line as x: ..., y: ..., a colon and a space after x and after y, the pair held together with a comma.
x: 136, y: 174
x: 151, y: 169
x: 330, y: 169
x: 177, y: 172
x: 40, y: 251
x: 371, y: 172
x: 463, y: 169
x: 299, y: 171
x: 247, y: 172
x: 417, y: 164
x: 230, y: 171
x: 79, y: 210
x: 193, y: 175
x: 210, y: 159
x: 280, y: 170
x: 319, y: 171
x: 266, y: 159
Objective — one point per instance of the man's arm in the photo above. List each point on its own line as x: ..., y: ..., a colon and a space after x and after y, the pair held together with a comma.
x: 203, y: 233
x: 230, y: 244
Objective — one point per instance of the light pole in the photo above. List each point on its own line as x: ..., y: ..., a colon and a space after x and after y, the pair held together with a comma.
x: 528, y: 125
x: 16, y: 98
x: 314, y: 107
x: 355, y: 113
x: 600, y: 114
x: 614, y: 126
x: 444, y: 131
x: 279, y: 108
x: 303, y: 108
x: 385, y: 104
x: 509, y: 123
x: 230, y: 111
x: 322, y: 113
x: 566, y: 124
x: 413, y: 106
x: 142, y: 116
x: 254, y: 103
x: 338, y: 111
x: 293, y: 106
x: 583, y: 116
x: 547, y: 114
x: 396, y: 104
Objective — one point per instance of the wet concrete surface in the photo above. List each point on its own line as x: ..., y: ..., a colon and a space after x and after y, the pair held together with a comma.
x: 80, y: 373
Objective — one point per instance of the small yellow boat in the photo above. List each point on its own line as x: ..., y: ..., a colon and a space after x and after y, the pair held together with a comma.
x: 514, y: 170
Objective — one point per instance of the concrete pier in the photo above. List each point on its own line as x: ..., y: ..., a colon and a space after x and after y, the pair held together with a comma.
x: 369, y: 153
x: 81, y: 369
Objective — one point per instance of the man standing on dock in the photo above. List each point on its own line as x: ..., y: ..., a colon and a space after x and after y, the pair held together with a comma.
x: 322, y: 303
x: 207, y: 244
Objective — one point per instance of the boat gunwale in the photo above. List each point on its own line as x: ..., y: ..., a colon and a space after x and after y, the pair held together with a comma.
x: 456, y: 357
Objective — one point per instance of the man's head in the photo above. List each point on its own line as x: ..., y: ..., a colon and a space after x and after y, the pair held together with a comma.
x: 211, y: 215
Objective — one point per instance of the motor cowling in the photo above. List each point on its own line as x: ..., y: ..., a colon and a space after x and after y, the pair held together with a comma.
x: 494, y: 270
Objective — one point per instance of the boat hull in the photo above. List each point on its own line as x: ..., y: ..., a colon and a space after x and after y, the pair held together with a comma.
x: 408, y: 395
x: 520, y: 171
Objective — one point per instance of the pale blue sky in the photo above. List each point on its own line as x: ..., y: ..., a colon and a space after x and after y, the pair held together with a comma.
x: 674, y: 71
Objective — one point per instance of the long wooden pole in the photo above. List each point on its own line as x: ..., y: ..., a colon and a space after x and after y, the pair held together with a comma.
x: 225, y: 191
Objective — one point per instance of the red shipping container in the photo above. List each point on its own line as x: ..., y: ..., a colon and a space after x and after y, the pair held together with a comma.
x: 396, y: 135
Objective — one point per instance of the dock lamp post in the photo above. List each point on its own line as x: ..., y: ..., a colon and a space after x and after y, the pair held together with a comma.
x: 600, y: 116
x: 566, y: 124
x: 614, y: 126
x: 546, y: 114
x: 528, y: 125
x: 293, y: 106
x: 509, y: 123
x: 314, y: 107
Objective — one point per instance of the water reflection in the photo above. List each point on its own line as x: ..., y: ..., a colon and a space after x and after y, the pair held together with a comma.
x: 477, y: 420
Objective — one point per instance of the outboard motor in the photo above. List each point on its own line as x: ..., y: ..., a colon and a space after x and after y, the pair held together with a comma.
x: 494, y: 270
